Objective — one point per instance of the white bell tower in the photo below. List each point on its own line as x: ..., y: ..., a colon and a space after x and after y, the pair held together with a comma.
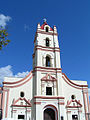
x: 46, y: 57
x: 47, y: 72
x: 46, y: 42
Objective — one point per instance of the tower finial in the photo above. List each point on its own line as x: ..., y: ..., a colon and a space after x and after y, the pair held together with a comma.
x: 44, y: 20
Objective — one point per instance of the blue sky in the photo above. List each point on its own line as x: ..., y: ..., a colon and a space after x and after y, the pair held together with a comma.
x: 72, y: 18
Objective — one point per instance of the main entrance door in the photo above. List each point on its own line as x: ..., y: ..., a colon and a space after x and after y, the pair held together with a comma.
x: 49, y: 114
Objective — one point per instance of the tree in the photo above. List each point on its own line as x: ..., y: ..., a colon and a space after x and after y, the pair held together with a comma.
x: 3, y: 38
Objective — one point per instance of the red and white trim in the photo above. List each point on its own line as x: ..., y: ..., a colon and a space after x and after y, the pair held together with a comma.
x: 45, y: 23
x: 49, y: 97
x: 50, y: 106
x: 18, y: 83
x: 71, y: 101
x: 48, y: 77
x: 15, y: 103
x: 48, y: 33
x: 68, y: 81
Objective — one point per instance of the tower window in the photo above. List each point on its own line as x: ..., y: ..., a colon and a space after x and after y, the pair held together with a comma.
x: 21, y: 117
x: 48, y: 90
x: 47, y: 42
x: 46, y: 29
x: 47, y: 61
x: 22, y: 94
x: 74, y: 117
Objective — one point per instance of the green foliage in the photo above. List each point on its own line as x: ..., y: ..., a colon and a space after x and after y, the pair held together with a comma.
x: 3, y: 38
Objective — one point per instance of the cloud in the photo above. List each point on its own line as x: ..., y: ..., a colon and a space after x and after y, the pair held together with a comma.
x: 7, y: 72
x: 23, y: 74
x: 26, y: 27
x: 3, y: 20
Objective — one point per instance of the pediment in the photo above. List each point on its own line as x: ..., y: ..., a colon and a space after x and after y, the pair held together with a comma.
x: 48, y: 77
x: 21, y: 102
x: 74, y: 104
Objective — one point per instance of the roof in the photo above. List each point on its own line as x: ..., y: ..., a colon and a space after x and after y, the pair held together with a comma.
x: 45, y: 23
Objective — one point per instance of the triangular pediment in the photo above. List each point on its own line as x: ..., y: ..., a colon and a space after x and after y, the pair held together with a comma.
x: 48, y: 77
x: 74, y: 104
x: 21, y: 102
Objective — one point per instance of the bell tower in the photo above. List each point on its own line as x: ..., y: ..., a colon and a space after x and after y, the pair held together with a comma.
x: 46, y: 61
x: 47, y: 73
x: 46, y: 40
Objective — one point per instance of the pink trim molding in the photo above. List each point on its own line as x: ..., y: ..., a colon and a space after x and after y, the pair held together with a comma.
x: 19, y: 80
x: 37, y: 103
x: 48, y: 97
x: 73, y: 82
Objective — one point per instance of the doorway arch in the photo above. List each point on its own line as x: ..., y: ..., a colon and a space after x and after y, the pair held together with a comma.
x: 50, y: 113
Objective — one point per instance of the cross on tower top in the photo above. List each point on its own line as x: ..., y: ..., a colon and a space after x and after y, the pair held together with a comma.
x: 44, y: 20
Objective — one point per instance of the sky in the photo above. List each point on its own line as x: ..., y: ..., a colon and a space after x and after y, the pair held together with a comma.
x: 72, y: 19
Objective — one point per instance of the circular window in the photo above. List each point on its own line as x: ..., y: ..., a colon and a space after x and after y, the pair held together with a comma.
x: 22, y: 94
x: 73, y: 97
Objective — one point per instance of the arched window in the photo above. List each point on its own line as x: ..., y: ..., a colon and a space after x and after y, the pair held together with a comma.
x: 48, y: 61
x: 46, y: 29
x: 47, y: 42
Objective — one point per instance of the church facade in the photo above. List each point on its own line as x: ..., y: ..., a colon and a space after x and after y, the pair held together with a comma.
x: 45, y: 93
